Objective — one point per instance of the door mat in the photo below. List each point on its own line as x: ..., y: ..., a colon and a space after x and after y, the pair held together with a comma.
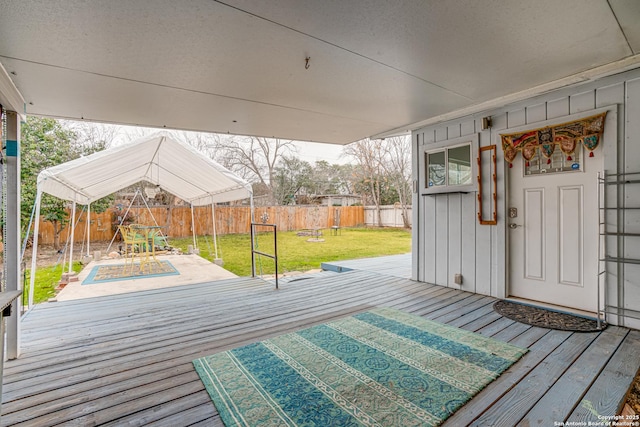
x: 382, y: 367
x: 536, y: 316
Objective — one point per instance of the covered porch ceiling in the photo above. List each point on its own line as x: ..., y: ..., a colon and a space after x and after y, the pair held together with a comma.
x: 328, y: 71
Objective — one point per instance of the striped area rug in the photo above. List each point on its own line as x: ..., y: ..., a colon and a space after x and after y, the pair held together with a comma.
x: 382, y: 367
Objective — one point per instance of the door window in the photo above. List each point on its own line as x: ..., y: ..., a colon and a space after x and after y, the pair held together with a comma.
x: 558, y: 162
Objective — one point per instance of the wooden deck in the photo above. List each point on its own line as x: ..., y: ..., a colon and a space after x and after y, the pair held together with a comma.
x: 391, y: 265
x: 126, y: 359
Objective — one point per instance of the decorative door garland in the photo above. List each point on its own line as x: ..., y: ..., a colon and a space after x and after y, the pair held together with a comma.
x: 587, y: 131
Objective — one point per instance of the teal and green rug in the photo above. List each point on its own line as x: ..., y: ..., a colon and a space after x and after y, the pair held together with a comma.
x: 383, y: 367
x: 117, y: 272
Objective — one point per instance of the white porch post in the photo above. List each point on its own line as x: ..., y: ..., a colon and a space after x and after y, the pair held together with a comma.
x: 193, y: 228
x: 213, y: 219
x: 73, y: 229
x: 34, y: 253
x: 252, y: 214
x: 88, y: 227
x: 12, y: 224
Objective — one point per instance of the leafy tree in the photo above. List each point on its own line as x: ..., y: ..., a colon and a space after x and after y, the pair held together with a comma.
x: 331, y: 179
x: 46, y: 142
x: 291, y: 176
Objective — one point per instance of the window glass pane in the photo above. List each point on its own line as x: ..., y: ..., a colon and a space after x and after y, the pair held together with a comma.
x: 459, y: 165
x: 559, y: 162
x: 435, y: 169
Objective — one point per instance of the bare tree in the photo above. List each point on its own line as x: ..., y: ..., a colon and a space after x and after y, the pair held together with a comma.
x: 367, y: 153
x: 397, y: 167
x: 89, y: 134
x: 384, y: 168
x: 209, y: 144
x: 256, y: 158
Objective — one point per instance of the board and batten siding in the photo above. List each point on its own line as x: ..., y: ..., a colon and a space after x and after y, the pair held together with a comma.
x: 448, y: 238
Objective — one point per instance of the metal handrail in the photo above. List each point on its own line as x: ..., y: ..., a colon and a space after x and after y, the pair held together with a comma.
x: 254, y: 251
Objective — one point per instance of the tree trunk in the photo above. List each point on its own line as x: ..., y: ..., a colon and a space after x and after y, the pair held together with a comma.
x: 405, y: 212
x: 375, y: 194
x: 405, y: 217
x: 56, y: 235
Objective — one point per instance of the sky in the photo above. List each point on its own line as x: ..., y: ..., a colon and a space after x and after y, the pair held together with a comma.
x: 308, y: 151
x: 316, y: 151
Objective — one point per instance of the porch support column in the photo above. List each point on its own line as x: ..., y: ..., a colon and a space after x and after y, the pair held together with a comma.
x: 88, y: 228
x: 213, y: 219
x: 34, y: 254
x: 73, y: 229
x: 193, y: 228
x: 12, y: 227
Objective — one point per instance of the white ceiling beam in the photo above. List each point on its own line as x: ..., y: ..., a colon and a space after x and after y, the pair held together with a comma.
x: 10, y: 97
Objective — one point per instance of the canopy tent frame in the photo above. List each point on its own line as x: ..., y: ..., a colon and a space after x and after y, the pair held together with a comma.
x: 159, y: 159
x: 133, y: 199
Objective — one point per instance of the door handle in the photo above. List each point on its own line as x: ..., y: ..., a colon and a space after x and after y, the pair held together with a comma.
x: 514, y: 226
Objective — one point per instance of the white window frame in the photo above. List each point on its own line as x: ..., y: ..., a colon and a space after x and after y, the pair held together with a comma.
x: 472, y: 142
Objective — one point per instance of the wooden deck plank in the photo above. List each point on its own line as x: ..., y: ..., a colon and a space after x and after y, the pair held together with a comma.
x: 245, y: 315
x: 190, y: 403
x: 510, y: 409
x: 161, y: 321
x: 194, y: 318
x: 154, y: 351
x: 509, y: 379
x: 78, y: 394
x: 94, y: 405
x: 126, y: 359
x: 298, y: 325
x: 470, y: 316
x: 129, y: 413
x: 211, y: 422
x: 202, y: 413
x: 450, y: 310
x: 481, y: 322
x: 531, y: 336
x: 561, y: 399
x: 606, y: 394
x: 446, y: 302
x: 392, y: 265
x: 509, y: 333
x: 495, y: 327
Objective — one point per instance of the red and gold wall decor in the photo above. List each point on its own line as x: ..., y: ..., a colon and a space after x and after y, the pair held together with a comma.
x: 566, y: 136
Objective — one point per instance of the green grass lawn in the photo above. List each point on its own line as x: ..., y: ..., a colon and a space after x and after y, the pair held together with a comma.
x: 296, y: 254
x: 47, y: 279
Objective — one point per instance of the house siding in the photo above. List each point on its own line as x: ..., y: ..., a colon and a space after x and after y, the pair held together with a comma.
x: 447, y: 236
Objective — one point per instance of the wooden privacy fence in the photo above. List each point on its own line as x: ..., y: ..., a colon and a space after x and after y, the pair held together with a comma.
x: 176, y: 220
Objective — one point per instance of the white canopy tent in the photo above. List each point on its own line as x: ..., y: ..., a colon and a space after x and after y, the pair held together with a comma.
x: 159, y: 159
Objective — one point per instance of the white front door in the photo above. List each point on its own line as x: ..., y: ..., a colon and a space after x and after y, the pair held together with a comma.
x: 553, y: 230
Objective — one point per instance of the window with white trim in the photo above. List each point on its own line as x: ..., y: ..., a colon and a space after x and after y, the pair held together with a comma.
x: 450, y: 168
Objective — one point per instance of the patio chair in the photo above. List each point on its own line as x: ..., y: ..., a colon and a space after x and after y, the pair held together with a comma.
x: 133, y: 241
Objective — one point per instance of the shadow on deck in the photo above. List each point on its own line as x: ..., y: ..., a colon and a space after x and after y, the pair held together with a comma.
x: 126, y: 359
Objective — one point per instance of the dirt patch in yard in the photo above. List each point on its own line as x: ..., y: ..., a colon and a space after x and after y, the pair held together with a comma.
x: 49, y: 256
x: 633, y: 398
